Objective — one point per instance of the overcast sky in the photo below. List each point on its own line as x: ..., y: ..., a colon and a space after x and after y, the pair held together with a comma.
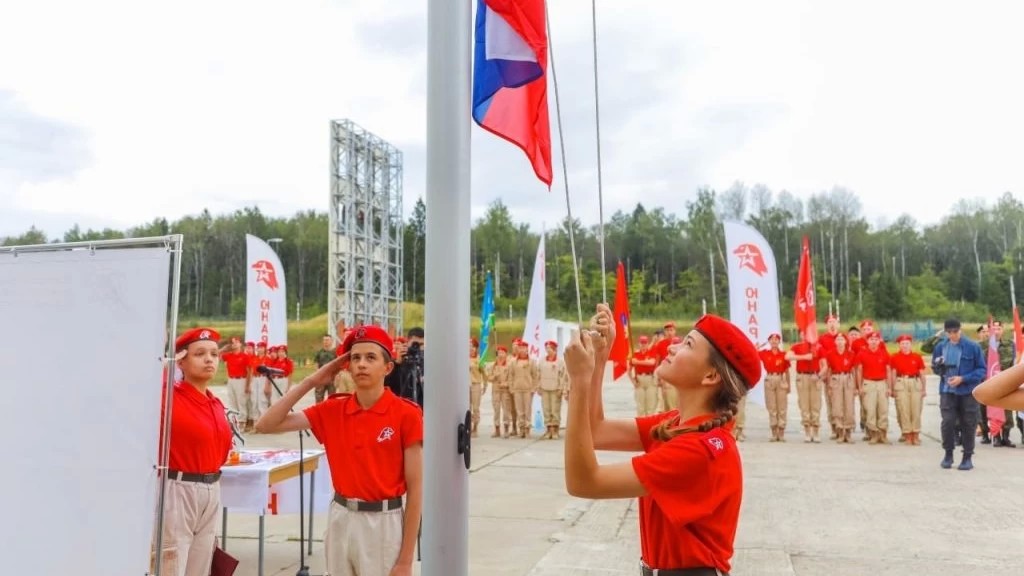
x: 113, y: 113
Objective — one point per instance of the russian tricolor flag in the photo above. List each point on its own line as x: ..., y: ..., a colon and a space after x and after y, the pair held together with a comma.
x: 510, y: 90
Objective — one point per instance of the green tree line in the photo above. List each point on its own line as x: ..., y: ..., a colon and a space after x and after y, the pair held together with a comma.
x: 675, y: 264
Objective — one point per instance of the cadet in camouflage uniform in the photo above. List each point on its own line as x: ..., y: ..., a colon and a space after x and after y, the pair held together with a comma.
x: 554, y: 385
x: 477, y: 383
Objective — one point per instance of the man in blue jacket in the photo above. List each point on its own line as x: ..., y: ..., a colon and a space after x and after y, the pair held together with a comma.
x: 961, y: 366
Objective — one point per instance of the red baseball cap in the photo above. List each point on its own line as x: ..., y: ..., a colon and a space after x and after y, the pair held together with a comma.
x: 195, y: 335
x: 369, y: 333
x: 733, y: 345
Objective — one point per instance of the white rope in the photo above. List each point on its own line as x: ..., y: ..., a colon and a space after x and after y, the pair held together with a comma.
x: 565, y: 173
x: 600, y: 191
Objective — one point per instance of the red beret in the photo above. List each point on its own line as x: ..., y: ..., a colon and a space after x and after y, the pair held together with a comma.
x: 502, y: 349
x: 733, y: 345
x: 283, y: 347
x: 775, y: 335
x: 669, y: 324
x: 236, y: 339
x: 369, y: 333
x: 875, y: 336
x: 250, y: 344
x: 904, y: 338
x: 195, y: 335
x: 551, y: 343
x: 261, y: 344
x: 271, y: 348
x: 831, y: 317
x: 643, y: 339
x: 867, y: 324
x: 474, y: 342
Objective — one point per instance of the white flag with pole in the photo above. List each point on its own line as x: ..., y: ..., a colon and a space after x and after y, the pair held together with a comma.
x: 753, y: 289
x: 536, y: 308
x: 266, y: 315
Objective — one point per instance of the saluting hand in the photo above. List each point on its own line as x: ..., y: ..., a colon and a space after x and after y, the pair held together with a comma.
x: 579, y: 356
x: 324, y: 376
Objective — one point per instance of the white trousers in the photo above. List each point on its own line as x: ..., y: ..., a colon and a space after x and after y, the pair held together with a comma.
x: 362, y: 543
x: 191, y: 513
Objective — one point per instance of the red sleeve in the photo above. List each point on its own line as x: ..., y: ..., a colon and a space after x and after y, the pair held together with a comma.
x: 677, y: 474
x: 645, y: 423
x: 318, y: 420
x: 412, y: 427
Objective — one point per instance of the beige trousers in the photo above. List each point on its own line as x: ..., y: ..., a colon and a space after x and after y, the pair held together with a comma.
x: 522, y: 401
x: 776, y: 399
x: 646, y: 395
x: 362, y: 543
x: 192, y: 513
x: 840, y: 390
x: 908, y: 403
x: 741, y: 412
x: 256, y: 399
x: 808, y: 394
x: 876, y: 405
x: 551, y: 400
x: 475, y: 392
x: 238, y: 400
x: 501, y: 401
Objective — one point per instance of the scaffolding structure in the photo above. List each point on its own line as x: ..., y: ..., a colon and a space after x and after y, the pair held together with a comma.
x: 366, y: 230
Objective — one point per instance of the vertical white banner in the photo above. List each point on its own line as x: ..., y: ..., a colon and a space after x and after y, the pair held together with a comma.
x: 266, y: 314
x: 536, y: 307
x: 753, y: 289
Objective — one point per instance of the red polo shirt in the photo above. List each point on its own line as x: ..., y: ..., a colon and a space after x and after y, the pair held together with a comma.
x: 804, y: 366
x: 642, y: 355
x: 908, y: 364
x: 694, y: 485
x: 366, y: 447
x: 200, y: 433
x: 237, y: 364
x: 774, y: 361
x: 875, y: 364
x: 839, y: 363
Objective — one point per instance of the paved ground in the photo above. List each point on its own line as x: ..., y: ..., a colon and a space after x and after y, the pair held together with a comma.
x: 808, y: 510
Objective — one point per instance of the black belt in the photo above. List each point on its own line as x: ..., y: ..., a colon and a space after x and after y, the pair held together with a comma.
x: 776, y: 373
x: 840, y: 373
x: 361, y: 506
x: 187, y: 477
x: 648, y: 571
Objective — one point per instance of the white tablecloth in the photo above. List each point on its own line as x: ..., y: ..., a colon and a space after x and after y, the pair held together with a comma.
x: 245, y: 487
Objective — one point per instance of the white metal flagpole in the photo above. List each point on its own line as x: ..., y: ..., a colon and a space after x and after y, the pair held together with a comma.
x: 445, y: 548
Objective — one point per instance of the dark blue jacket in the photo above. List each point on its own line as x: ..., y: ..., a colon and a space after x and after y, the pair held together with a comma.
x: 971, y: 365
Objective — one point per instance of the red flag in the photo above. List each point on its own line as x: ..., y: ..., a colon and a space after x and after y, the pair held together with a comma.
x: 1018, y: 337
x: 804, y: 313
x: 622, y: 347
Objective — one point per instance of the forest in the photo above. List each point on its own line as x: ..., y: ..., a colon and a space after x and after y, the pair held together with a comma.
x: 962, y: 265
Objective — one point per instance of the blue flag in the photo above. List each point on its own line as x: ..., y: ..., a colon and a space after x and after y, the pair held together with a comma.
x: 486, y: 318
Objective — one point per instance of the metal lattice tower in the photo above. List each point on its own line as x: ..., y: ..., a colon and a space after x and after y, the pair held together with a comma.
x: 366, y: 229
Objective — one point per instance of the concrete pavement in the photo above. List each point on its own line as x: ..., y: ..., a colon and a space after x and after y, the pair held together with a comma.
x: 808, y: 509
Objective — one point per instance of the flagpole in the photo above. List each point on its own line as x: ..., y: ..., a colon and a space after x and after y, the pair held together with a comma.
x: 445, y: 477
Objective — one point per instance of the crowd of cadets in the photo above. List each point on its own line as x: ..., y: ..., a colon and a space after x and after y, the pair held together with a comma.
x: 250, y: 393
x: 839, y: 370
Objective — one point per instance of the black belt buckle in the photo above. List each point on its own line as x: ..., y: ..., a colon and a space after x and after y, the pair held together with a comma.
x: 209, y: 478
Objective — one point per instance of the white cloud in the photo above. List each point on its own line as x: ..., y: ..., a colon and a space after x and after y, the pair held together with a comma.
x: 226, y: 104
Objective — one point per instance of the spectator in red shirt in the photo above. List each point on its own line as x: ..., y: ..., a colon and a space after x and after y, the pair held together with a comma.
x: 689, y: 479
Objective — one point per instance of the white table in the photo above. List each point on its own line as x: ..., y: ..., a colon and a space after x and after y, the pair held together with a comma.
x: 268, y: 480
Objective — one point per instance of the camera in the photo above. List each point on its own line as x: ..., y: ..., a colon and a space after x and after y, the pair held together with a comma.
x: 414, y: 354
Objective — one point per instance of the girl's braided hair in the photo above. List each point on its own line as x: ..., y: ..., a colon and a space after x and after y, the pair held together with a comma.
x: 726, y: 402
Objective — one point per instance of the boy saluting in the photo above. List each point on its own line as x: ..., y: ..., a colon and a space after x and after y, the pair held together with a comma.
x: 374, y: 445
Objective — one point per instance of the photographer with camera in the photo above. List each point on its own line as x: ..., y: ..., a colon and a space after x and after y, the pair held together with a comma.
x: 406, y: 380
x: 961, y: 367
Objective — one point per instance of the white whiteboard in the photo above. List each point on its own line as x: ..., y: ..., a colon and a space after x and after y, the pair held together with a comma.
x: 81, y: 341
